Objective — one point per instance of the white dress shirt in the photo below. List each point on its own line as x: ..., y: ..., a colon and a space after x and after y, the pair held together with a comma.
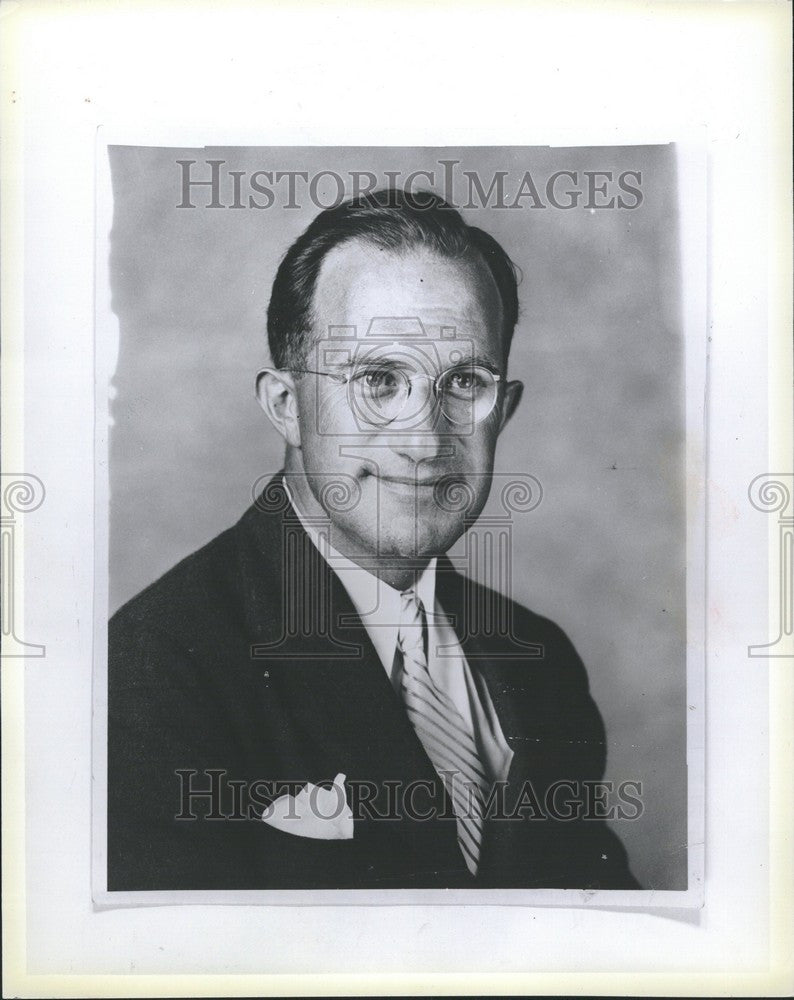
x: 378, y: 606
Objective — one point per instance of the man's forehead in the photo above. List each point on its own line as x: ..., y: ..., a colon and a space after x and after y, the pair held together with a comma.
x: 416, y: 293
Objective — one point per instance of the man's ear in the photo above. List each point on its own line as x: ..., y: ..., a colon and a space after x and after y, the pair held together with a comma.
x: 275, y: 391
x: 513, y: 393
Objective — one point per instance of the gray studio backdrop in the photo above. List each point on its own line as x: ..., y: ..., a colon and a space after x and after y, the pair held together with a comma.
x: 599, y: 347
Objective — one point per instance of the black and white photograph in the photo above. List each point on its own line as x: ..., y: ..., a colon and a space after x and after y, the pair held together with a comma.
x: 397, y: 520
x: 396, y: 499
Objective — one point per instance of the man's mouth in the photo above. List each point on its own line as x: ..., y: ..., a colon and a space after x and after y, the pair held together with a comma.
x: 411, y: 481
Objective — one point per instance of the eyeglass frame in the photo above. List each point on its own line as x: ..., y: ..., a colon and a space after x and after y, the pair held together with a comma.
x: 342, y: 379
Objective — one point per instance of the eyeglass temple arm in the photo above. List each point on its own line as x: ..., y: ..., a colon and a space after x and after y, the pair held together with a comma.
x: 336, y: 376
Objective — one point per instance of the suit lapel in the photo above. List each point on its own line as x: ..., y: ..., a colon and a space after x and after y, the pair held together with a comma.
x: 488, y: 654
x: 340, y: 710
x: 501, y: 669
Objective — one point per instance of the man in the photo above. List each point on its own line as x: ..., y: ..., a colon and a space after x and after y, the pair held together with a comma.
x: 317, y: 699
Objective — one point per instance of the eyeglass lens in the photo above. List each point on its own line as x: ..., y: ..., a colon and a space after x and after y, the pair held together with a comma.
x: 465, y: 394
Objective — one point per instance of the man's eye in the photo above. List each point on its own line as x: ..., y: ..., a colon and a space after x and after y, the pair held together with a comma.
x: 377, y: 378
x: 464, y: 380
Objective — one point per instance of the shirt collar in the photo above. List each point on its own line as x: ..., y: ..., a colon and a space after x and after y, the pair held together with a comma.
x: 377, y: 604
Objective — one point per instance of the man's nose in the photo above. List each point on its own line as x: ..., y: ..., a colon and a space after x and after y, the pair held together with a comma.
x: 423, y: 447
x: 423, y: 434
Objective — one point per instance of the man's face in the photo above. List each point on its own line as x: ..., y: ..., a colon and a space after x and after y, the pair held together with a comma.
x: 398, y: 470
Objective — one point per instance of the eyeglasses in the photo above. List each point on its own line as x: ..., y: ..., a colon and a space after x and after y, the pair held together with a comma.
x: 379, y: 393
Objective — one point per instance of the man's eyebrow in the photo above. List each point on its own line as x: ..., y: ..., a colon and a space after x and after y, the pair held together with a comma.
x: 477, y: 359
x: 369, y: 359
x: 385, y: 359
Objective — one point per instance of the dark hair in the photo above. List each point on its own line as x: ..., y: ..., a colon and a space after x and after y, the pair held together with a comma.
x: 391, y: 219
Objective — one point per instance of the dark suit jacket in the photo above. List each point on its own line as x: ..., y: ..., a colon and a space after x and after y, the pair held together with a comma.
x: 247, y: 663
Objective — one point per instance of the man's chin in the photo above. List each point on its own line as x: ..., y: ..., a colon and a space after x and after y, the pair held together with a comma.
x: 409, y: 538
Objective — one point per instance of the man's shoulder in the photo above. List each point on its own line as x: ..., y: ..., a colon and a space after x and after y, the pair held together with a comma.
x: 531, y: 626
x: 513, y: 624
x: 181, y: 587
x: 219, y: 583
x: 193, y: 593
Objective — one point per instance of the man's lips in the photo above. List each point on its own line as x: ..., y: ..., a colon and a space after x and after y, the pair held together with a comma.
x: 408, y: 481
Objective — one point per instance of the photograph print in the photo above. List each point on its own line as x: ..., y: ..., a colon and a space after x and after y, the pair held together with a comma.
x: 391, y: 454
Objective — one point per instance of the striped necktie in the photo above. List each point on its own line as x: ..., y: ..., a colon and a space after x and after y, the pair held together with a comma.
x: 442, y: 731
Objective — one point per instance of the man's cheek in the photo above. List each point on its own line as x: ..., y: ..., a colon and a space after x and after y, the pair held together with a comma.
x: 332, y: 414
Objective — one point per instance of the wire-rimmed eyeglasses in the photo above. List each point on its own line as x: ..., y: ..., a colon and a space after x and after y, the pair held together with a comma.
x: 379, y: 393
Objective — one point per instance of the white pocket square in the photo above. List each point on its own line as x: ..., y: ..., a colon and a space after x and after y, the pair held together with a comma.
x: 319, y: 813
